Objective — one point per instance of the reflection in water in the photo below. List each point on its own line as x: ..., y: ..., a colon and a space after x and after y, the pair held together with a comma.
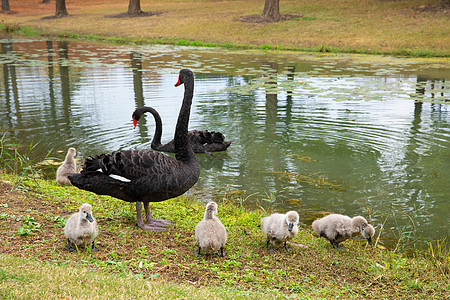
x: 136, y: 65
x: 51, y: 76
x: 9, y: 73
x: 63, y: 65
x: 305, y: 135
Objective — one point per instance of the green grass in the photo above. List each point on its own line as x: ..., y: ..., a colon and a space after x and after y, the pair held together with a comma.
x: 30, y: 279
x: 158, y: 262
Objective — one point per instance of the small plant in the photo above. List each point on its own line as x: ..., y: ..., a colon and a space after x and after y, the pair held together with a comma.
x: 169, y: 251
x: 142, y: 251
x: 29, y: 226
x: 60, y: 221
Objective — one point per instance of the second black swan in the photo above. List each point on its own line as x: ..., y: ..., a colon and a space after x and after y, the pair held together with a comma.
x: 145, y: 176
x: 202, y: 141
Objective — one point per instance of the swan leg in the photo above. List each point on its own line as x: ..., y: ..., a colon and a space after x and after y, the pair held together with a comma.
x: 150, y: 219
x: 140, y: 223
x: 198, y: 252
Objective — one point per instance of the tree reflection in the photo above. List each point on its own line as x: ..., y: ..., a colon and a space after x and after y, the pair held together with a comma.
x: 290, y: 77
x: 63, y: 65
x: 9, y: 72
x: 136, y: 66
x: 6, y: 47
x: 51, y: 74
x: 435, y: 85
x: 273, y: 153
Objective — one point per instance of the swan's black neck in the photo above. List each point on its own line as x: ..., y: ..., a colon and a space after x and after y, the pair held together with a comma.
x: 156, y: 142
x: 183, y: 151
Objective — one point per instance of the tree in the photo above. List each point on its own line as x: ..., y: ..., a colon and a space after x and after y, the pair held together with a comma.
x: 61, y: 10
x: 5, y: 6
x: 134, y: 7
x: 271, y: 10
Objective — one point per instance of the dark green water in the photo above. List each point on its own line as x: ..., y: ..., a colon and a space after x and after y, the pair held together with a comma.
x: 359, y: 135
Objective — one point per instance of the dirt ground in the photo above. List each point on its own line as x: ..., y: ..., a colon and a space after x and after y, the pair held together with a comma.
x: 49, y: 244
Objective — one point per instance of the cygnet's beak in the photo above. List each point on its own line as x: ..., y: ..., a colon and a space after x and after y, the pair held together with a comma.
x: 369, y: 240
x: 89, y: 217
x: 290, y: 226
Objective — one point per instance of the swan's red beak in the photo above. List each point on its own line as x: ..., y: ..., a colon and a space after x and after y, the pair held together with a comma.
x: 134, y: 123
x: 178, y: 82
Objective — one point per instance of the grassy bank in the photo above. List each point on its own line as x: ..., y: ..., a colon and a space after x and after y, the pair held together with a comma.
x: 34, y: 261
x: 375, y: 27
x: 31, y: 279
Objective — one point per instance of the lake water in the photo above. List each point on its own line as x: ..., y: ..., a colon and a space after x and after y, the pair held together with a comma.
x: 316, y: 133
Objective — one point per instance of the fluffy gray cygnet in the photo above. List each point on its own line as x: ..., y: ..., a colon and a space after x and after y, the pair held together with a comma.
x: 210, y: 233
x: 81, y: 229
x: 68, y: 167
x: 280, y: 228
x: 337, y: 228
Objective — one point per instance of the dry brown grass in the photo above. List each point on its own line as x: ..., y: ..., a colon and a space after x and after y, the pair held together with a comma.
x: 367, y: 25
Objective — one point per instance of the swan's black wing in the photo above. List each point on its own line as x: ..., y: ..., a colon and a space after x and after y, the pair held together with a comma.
x: 133, y: 175
x: 207, y: 141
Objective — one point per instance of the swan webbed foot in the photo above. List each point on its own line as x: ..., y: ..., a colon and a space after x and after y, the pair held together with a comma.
x: 152, y: 224
x: 150, y: 220
x: 160, y: 222
x: 148, y: 227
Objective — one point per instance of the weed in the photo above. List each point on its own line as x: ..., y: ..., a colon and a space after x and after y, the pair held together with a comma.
x: 15, y: 159
x: 29, y: 226
x: 60, y: 221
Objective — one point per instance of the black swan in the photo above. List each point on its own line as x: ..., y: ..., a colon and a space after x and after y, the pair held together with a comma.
x: 144, y: 175
x: 202, y: 141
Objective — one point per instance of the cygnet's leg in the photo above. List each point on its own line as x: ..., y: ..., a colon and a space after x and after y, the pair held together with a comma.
x: 198, y: 251
x: 93, y: 247
x: 267, y: 245
x: 152, y: 221
x: 336, y: 246
x: 285, y: 247
x: 70, y: 248
x: 221, y: 253
x: 140, y: 223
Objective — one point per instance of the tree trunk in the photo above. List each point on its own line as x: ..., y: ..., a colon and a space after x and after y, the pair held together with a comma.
x: 5, y: 6
x: 61, y: 10
x: 272, y: 10
x: 134, y: 7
